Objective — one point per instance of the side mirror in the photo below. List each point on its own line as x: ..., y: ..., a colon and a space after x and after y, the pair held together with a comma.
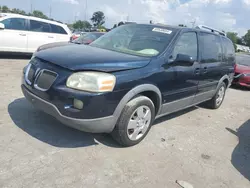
x: 2, y: 26
x: 183, y: 60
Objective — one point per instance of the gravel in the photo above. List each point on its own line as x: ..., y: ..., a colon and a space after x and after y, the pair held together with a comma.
x: 207, y: 148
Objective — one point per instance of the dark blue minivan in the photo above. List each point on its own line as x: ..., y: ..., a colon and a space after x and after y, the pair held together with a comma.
x: 130, y: 76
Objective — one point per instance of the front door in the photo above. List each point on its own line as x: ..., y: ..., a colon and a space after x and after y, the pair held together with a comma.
x: 181, y: 80
x: 14, y: 37
x: 39, y: 34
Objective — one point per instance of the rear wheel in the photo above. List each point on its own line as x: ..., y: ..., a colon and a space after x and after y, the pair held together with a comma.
x: 134, y: 122
x: 218, y: 98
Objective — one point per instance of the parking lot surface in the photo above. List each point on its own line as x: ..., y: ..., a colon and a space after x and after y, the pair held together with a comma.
x: 207, y: 148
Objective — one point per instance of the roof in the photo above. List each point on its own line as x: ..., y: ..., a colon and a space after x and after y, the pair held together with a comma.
x: 33, y: 18
x: 185, y: 28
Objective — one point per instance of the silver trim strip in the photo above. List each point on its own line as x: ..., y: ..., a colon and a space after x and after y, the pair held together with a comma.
x: 26, y: 74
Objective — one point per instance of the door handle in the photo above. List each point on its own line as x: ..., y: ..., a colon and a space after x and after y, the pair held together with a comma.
x: 205, y: 70
x: 197, y: 71
x: 22, y: 34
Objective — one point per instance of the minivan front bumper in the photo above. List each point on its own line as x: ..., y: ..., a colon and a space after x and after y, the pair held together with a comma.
x: 98, y: 125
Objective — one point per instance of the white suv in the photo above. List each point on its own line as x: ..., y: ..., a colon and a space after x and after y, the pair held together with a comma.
x: 25, y: 33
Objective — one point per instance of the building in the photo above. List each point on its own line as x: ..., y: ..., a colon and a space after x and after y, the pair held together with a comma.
x: 242, y: 48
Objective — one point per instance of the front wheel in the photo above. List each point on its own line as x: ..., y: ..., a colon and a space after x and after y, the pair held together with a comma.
x: 134, y: 122
x: 218, y: 98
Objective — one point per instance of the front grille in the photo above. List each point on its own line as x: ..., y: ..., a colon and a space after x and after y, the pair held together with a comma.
x: 45, y: 79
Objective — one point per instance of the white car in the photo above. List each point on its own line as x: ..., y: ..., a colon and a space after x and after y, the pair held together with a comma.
x: 25, y: 33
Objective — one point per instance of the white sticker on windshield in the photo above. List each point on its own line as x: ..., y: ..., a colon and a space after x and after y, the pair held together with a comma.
x: 161, y: 30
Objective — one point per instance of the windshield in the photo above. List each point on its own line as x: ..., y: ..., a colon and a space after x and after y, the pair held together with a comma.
x: 243, y: 59
x: 88, y: 37
x: 141, y: 40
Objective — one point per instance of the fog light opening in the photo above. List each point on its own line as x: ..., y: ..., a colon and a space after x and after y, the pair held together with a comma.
x: 78, y: 104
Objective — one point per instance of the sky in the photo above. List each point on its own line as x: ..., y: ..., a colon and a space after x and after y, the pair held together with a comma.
x: 228, y: 15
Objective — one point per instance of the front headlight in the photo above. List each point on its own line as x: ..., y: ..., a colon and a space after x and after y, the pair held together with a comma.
x: 92, y: 81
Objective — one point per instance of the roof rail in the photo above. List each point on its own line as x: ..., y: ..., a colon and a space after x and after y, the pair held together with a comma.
x: 211, y: 29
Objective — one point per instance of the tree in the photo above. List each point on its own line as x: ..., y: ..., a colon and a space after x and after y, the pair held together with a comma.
x: 233, y: 37
x: 0, y: 9
x: 246, y: 38
x: 39, y: 14
x: 5, y: 9
x: 98, y: 18
x: 240, y: 41
x: 86, y: 25
x: 115, y: 26
x: 82, y: 25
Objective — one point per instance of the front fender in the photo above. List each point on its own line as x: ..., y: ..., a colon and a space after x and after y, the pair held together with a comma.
x: 132, y: 93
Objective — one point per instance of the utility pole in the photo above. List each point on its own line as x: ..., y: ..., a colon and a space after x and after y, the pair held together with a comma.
x: 86, y: 8
x: 50, y: 10
x: 31, y: 7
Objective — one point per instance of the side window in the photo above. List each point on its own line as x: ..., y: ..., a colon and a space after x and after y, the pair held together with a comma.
x: 15, y: 23
x: 57, y: 29
x: 187, y: 45
x: 229, y: 51
x: 38, y: 26
x: 211, y: 48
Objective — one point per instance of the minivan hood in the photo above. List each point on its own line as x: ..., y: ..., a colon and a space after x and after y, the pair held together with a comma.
x: 82, y: 57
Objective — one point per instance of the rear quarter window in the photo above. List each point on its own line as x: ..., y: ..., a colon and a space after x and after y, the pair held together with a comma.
x: 57, y: 29
x: 229, y: 51
x: 211, y: 48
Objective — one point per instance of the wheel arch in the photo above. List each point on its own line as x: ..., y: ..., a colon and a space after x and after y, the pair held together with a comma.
x: 224, y: 79
x: 146, y: 90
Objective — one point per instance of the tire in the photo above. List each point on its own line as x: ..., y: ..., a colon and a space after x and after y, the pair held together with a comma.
x: 213, y: 103
x: 135, y: 114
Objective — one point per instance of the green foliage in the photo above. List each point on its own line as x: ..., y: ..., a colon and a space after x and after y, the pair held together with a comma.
x: 18, y: 11
x: 246, y: 38
x: 39, y: 14
x: 81, y: 25
x: 5, y: 9
x: 232, y: 36
x: 98, y: 18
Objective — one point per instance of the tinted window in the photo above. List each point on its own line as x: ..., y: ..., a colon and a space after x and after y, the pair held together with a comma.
x: 38, y: 26
x: 15, y: 23
x: 187, y: 45
x: 228, y: 48
x: 57, y: 29
x: 211, y: 49
x: 137, y: 39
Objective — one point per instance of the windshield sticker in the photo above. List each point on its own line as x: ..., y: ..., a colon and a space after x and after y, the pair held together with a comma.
x: 161, y: 30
